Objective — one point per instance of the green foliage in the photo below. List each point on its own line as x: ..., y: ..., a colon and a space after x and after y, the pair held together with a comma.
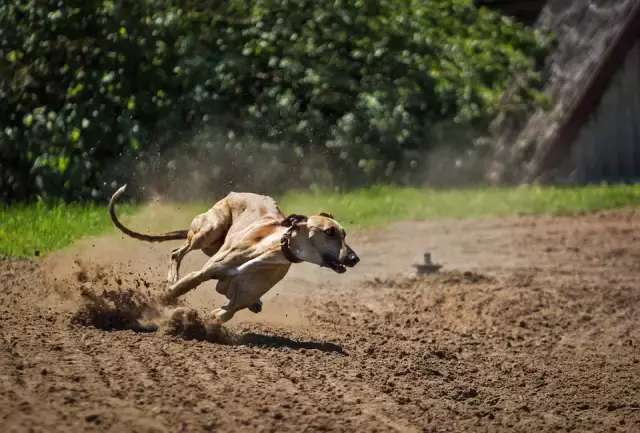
x: 361, y: 82
x: 82, y: 82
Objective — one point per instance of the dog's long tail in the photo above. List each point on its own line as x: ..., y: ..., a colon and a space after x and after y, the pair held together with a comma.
x: 178, y: 234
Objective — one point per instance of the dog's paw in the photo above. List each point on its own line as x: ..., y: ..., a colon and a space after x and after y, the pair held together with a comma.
x: 255, y: 308
x: 186, y: 323
x: 221, y: 315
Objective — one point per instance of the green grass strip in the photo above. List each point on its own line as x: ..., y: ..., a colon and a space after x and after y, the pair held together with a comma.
x: 383, y: 204
x: 36, y: 229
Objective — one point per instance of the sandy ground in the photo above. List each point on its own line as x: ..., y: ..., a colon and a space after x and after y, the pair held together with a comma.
x: 531, y: 326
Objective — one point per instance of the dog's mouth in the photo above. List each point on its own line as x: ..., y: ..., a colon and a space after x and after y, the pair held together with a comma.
x: 335, y: 265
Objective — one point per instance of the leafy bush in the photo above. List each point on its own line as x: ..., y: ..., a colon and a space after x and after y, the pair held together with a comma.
x: 84, y: 82
x: 355, y: 84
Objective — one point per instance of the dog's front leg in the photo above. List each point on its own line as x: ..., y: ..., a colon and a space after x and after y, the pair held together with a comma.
x: 256, y: 307
x: 226, y: 312
x: 245, y: 288
x: 223, y: 314
x: 192, y: 280
x: 176, y: 259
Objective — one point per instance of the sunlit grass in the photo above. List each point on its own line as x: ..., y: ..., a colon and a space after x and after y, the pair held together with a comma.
x: 36, y: 229
x: 382, y: 204
x: 28, y: 230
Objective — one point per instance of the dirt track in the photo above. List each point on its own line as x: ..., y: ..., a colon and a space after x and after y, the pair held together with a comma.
x: 532, y: 326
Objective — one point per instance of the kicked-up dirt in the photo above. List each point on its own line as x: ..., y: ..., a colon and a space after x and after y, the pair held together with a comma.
x: 531, y: 326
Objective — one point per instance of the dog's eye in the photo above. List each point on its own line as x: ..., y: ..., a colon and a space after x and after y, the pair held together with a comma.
x: 331, y: 231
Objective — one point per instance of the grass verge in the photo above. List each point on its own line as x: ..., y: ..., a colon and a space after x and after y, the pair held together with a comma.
x: 383, y: 204
x: 27, y: 230
x: 36, y: 229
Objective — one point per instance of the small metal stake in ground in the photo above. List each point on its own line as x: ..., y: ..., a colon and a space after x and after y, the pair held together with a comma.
x: 428, y: 267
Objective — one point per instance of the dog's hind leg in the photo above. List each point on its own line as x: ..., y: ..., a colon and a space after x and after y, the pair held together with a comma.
x: 207, y: 233
x: 176, y: 259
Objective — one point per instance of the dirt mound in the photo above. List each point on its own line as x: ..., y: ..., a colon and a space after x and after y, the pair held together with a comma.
x: 413, y: 281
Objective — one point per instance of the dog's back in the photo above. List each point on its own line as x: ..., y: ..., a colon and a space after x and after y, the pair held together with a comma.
x: 247, y: 209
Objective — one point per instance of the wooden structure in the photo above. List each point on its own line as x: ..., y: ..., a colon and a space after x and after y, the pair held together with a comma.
x: 591, y: 131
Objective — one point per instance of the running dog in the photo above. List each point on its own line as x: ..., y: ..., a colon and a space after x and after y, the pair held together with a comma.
x: 252, y: 246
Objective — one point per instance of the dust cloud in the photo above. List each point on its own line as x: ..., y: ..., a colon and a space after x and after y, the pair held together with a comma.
x: 213, y: 162
x: 111, y: 310
x: 106, y: 300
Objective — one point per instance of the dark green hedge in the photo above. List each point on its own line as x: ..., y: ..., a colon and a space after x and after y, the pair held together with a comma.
x: 94, y: 90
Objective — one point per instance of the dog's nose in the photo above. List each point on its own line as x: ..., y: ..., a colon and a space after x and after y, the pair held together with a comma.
x: 352, y: 259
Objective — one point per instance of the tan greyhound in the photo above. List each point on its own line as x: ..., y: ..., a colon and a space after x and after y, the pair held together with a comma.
x: 251, y: 245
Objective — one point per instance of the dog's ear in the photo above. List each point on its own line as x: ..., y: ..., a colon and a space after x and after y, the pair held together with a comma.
x: 325, y: 214
x: 293, y: 219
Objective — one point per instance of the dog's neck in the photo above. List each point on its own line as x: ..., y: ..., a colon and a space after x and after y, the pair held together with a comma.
x: 287, y: 248
x: 297, y: 247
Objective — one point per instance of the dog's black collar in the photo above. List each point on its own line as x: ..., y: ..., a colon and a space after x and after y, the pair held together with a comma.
x: 286, y: 249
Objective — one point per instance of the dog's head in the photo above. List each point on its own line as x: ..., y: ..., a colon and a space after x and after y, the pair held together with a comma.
x: 320, y: 239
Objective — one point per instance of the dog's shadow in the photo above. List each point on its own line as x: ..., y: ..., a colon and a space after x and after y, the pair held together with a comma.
x: 115, y: 311
x: 263, y: 340
x: 188, y: 325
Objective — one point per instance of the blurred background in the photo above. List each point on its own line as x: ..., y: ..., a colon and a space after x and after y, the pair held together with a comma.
x: 262, y: 95
x: 275, y: 95
x: 271, y: 95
